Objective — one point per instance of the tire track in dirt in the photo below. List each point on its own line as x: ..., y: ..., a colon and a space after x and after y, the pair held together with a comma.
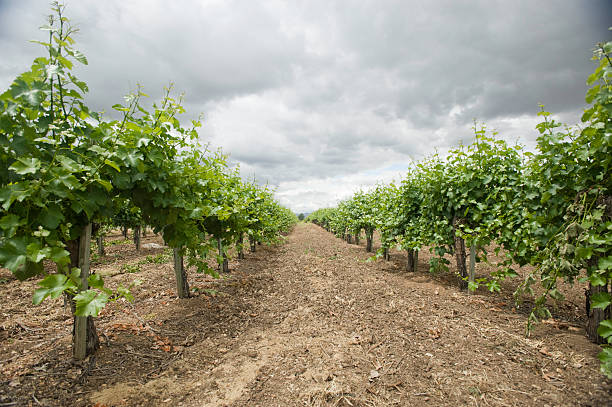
x: 325, y: 328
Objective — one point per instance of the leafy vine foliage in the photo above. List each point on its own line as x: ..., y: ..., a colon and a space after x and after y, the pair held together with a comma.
x: 63, y: 167
x: 551, y: 209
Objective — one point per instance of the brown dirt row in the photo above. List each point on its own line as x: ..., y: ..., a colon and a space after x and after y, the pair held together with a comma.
x: 307, y: 323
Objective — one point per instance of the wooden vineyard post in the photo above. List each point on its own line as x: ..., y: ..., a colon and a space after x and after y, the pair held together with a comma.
x: 182, y: 286
x: 101, y: 251
x: 460, y: 253
x: 472, y: 271
x: 241, y: 247
x: 224, y: 266
x: 411, y: 262
x: 84, y: 342
x: 137, y: 237
x: 369, y: 242
x: 252, y: 243
x: 596, y: 315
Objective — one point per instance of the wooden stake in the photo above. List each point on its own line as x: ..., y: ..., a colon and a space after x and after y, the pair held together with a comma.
x: 137, y: 237
x: 224, y: 266
x: 369, y: 243
x: 241, y: 247
x: 460, y: 252
x: 472, y: 271
x: 80, y: 324
x: 182, y: 286
x: 101, y: 251
x: 411, y: 260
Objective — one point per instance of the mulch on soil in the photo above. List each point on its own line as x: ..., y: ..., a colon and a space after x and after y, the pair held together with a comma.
x: 306, y: 323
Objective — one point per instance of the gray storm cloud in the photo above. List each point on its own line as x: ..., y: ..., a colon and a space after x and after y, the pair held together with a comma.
x: 318, y: 97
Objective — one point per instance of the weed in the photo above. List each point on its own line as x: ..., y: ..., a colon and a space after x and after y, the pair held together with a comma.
x: 130, y: 268
x: 116, y: 242
x: 161, y: 258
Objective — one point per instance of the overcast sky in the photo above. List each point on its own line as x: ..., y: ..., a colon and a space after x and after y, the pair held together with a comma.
x: 321, y: 98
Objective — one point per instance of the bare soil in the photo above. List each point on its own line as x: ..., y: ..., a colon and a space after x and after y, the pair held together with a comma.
x: 306, y: 323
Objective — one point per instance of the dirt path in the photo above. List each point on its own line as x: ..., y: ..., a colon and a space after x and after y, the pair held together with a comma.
x: 323, y: 327
x: 310, y: 323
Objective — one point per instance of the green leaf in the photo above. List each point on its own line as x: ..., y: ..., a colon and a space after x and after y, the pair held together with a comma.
x: 605, y: 356
x: 605, y: 328
x: 584, y: 252
x: 51, y: 216
x: 90, y: 303
x: 143, y: 141
x: 44, y: 44
x: 112, y: 164
x: 597, y: 279
x: 133, y: 159
x: 65, y: 62
x: 95, y: 281
x: 600, y: 300
x: 125, y: 293
x: 472, y: 286
x: 25, y: 166
x: 21, y: 90
x: 75, y: 275
x: 60, y: 256
x: 107, y: 185
x: 81, y: 85
x: 69, y: 164
x: 35, y: 253
x: 12, y: 193
x: 99, y: 150
x: 78, y: 55
x: 605, y: 263
x: 555, y: 294
x: 53, y: 285
x: 13, y: 254
x: 9, y: 223
x: 29, y: 269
